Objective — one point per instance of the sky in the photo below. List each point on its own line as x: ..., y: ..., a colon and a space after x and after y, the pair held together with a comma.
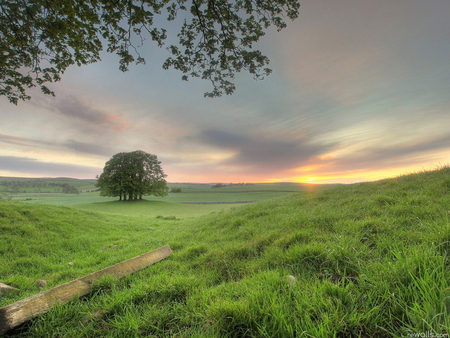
x: 359, y: 92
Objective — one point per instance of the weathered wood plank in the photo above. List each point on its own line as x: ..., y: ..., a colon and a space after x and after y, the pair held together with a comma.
x: 19, y: 312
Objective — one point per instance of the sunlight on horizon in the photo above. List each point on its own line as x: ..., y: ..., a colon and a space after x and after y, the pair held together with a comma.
x: 355, y: 176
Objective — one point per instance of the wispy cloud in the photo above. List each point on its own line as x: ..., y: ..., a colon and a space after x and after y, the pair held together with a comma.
x: 357, y: 86
x: 76, y: 108
x: 382, y: 156
x: 259, y: 153
x: 26, y: 142
x: 91, y: 148
x: 85, y: 148
x: 34, y: 167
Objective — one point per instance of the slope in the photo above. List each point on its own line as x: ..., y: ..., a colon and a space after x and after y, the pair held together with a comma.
x: 361, y: 260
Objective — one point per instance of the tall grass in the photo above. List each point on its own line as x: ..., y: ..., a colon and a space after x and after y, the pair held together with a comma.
x: 361, y: 260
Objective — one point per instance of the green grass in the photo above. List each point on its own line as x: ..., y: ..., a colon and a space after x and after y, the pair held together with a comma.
x: 61, y: 199
x: 191, y: 193
x: 195, y: 187
x: 154, y: 208
x: 195, y: 199
x: 369, y: 260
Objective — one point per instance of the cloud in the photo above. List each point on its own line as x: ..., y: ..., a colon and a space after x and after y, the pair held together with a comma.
x: 357, y: 86
x: 25, y: 141
x: 376, y: 156
x: 224, y: 139
x: 425, y: 152
x: 90, y: 148
x: 31, y: 166
x: 259, y: 153
x: 352, y: 52
x: 64, y: 146
x: 75, y: 108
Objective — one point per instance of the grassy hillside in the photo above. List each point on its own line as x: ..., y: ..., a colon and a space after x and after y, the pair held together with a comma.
x: 361, y: 260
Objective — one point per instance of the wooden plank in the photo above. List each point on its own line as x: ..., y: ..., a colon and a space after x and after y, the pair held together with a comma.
x: 19, y: 312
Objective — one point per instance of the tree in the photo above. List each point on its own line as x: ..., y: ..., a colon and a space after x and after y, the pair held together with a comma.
x: 41, y: 38
x: 132, y: 175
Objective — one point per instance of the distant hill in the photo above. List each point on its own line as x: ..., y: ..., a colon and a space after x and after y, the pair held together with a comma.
x: 9, y: 178
x: 44, y: 185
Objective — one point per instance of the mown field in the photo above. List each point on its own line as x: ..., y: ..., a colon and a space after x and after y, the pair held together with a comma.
x: 360, y: 260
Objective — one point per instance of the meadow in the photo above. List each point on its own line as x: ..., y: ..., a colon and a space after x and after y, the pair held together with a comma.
x: 361, y: 260
x: 193, y: 201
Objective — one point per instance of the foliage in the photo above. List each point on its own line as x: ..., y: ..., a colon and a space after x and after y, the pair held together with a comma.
x: 222, y: 185
x: 69, y: 189
x: 36, y: 185
x: 132, y: 175
x: 219, y: 185
x: 40, y: 39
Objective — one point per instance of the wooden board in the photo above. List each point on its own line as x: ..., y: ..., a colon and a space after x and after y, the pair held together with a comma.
x: 19, y: 312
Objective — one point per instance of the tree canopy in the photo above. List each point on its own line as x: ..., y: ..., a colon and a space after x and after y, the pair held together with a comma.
x: 41, y: 38
x: 132, y: 175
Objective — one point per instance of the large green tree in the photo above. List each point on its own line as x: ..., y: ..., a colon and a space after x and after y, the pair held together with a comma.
x: 41, y: 38
x: 132, y: 175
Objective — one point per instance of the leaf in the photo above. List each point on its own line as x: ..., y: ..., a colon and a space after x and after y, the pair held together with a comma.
x: 214, y: 41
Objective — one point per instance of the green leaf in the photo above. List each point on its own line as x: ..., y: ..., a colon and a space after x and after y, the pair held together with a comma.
x: 216, y: 38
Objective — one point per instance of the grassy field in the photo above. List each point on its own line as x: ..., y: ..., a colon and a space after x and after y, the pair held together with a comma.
x: 193, y: 201
x: 361, y: 260
x: 155, y: 208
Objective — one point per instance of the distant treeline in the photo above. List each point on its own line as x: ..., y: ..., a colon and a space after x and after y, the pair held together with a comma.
x: 221, y: 185
x: 42, y: 186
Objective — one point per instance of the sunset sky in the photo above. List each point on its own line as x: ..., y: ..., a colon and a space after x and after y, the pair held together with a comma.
x: 360, y: 91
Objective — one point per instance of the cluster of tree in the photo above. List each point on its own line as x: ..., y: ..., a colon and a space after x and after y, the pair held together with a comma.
x: 67, y: 188
x: 221, y: 185
x: 41, y: 39
x: 13, y: 186
x: 132, y: 175
x: 175, y: 190
x: 28, y: 183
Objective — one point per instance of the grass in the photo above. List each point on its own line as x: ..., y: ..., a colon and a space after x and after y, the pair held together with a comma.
x: 195, y: 199
x: 366, y: 260
x: 191, y: 193
x: 62, y: 244
x: 155, y: 208
x: 61, y: 199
